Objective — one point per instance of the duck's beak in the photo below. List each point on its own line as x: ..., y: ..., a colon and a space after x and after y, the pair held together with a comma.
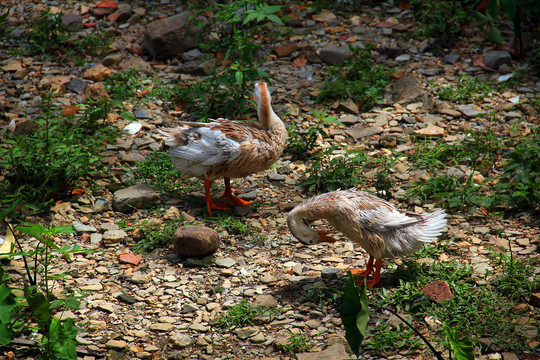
x: 323, y: 236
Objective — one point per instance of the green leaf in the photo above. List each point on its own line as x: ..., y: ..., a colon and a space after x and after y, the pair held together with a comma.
x: 39, y: 306
x: 5, y: 335
x: 462, y: 346
x: 354, y: 313
x: 239, y: 76
x: 7, y: 303
x: 493, y: 8
x: 275, y: 19
x: 250, y: 17
x: 126, y: 115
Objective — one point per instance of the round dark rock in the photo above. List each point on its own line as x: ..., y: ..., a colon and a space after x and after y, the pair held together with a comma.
x: 194, y: 240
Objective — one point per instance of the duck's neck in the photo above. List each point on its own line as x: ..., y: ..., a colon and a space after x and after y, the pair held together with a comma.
x: 299, y: 229
x: 265, y: 111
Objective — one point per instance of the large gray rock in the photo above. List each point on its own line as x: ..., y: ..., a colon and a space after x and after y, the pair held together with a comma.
x: 333, y: 54
x: 406, y: 89
x: 494, y: 59
x: 164, y: 38
x: 194, y: 240
x: 136, y: 196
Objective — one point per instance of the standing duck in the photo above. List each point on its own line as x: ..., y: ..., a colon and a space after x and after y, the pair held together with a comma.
x: 381, y: 229
x: 228, y: 148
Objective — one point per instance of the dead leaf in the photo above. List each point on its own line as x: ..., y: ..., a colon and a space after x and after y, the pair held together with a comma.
x: 478, y: 60
x: 299, y: 62
x: 78, y: 192
x: 404, y: 5
x: 107, y: 4
x: 68, y: 110
x: 397, y: 74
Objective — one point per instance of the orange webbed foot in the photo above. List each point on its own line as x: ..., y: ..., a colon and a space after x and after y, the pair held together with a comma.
x: 236, y: 201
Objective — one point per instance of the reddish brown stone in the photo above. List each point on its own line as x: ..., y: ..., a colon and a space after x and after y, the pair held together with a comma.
x: 286, y: 50
x: 194, y: 240
x: 438, y: 291
x: 131, y: 258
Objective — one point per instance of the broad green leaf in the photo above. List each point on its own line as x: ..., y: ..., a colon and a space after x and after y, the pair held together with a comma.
x: 493, y: 9
x: 72, y: 303
x: 462, y: 346
x: 250, y: 17
x: 354, y: 313
x: 39, y: 306
x: 239, y: 76
x: 7, y: 303
x: 5, y: 335
x: 275, y: 19
x: 494, y: 35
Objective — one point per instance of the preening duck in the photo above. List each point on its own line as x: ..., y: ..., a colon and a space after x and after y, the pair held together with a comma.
x: 228, y: 148
x: 381, y: 229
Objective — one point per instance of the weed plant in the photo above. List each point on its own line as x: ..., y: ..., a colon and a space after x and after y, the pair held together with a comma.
x: 357, y: 78
x: 386, y: 339
x: 302, y: 145
x: 56, y: 154
x: 240, y: 315
x: 296, y: 343
x: 232, y: 225
x: 478, y: 309
x: 31, y: 309
x: 155, y: 235
x: 243, y: 27
x: 519, y: 186
x: 329, y: 171
x: 442, y: 19
x: 466, y: 89
x: 49, y: 37
x: 158, y: 172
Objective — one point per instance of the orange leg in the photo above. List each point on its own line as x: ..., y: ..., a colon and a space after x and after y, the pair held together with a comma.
x: 369, y: 269
x: 231, y: 199
x: 208, y: 197
x: 377, y: 276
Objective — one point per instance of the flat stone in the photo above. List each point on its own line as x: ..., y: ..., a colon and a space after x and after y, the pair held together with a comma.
x: 81, y: 228
x: 333, y: 54
x: 225, y: 262
x: 430, y: 130
x: 116, y: 344
x: 286, y: 50
x: 450, y: 112
x: 334, y: 352
x: 406, y: 89
x: 199, y: 327
x: 266, y: 301
x: 77, y: 85
x: 97, y: 73
x: 349, y: 106
x: 470, y: 111
x: 361, y: 130
x: 162, y: 327
x: 135, y: 197
x: 268, y: 279
x: 451, y: 58
x: 111, y: 237
x: 330, y: 273
x: 180, y: 340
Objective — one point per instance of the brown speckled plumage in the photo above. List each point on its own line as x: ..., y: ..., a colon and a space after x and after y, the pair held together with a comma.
x: 381, y: 229
x: 228, y: 148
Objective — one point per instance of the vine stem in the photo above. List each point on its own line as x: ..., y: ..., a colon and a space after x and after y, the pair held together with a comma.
x: 435, y: 352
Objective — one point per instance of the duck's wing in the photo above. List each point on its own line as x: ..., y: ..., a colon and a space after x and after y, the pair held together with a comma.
x: 201, y: 143
x: 376, y: 214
